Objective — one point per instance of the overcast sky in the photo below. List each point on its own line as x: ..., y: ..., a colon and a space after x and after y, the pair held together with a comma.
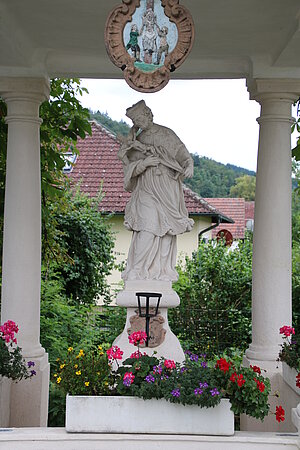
x: 213, y: 118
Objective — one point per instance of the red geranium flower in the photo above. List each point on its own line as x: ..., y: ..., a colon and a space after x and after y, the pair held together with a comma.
x: 256, y: 369
x: 240, y: 380
x: 298, y: 380
x: 279, y: 414
x: 260, y: 385
x: 233, y: 377
x: 223, y: 365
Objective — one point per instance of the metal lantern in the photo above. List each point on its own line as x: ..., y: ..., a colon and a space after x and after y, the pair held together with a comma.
x: 147, y: 296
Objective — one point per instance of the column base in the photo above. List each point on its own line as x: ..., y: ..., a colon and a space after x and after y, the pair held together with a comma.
x: 296, y: 417
x: 263, y: 353
x: 29, y: 398
x: 273, y: 371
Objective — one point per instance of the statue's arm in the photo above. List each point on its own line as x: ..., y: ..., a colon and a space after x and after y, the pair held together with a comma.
x: 185, y: 160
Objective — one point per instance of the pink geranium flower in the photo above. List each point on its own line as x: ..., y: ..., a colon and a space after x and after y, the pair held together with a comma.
x: 137, y: 354
x: 287, y: 330
x: 169, y: 364
x: 114, y: 352
x: 8, y: 330
x: 138, y: 337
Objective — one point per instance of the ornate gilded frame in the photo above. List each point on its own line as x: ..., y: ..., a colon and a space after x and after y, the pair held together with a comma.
x: 114, y: 42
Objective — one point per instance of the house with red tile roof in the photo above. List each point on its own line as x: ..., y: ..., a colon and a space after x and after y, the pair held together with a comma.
x: 98, y: 167
x: 234, y: 208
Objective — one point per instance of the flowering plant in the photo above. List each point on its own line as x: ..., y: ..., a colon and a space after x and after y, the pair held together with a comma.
x: 198, y: 382
x: 86, y: 372
x: 12, y: 363
x: 290, y: 350
x: 195, y: 382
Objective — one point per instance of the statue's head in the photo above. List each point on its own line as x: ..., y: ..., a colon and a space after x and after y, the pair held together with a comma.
x: 140, y: 114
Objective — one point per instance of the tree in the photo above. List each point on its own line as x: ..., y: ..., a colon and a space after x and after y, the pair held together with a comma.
x: 213, y: 179
x: 113, y: 125
x: 214, y: 287
x: 244, y: 188
x: 84, y: 238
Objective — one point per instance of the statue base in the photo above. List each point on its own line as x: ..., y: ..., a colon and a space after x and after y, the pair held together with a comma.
x: 162, y: 340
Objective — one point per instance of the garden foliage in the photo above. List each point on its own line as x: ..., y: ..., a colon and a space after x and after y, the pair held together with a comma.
x: 214, y: 287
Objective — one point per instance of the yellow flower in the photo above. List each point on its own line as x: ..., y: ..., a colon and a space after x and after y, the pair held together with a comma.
x: 70, y: 349
x: 58, y: 380
x: 81, y: 353
x: 98, y: 373
x: 106, y: 383
x: 100, y: 348
x: 57, y: 359
x: 101, y: 353
x: 76, y: 366
x: 87, y: 383
x: 62, y: 366
x: 55, y: 375
x: 78, y: 372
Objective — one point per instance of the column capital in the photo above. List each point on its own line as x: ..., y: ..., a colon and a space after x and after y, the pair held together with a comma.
x: 281, y: 88
x: 16, y: 88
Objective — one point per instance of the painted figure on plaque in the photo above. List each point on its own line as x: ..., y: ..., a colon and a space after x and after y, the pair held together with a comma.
x: 149, y: 35
x: 133, y: 43
x: 163, y: 44
x: 155, y: 162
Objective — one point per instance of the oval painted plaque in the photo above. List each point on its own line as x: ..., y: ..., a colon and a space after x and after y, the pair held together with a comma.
x: 149, y: 39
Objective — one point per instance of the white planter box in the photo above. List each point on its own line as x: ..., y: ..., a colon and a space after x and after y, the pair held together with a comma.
x: 289, y: 375
x: 135, y: 415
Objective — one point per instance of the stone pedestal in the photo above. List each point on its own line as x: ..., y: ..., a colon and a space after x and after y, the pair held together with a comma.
x: 162, y: 340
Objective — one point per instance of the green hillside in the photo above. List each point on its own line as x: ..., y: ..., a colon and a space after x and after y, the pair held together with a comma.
x: 214, y: 179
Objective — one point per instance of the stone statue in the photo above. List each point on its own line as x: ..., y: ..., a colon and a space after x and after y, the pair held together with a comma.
x: 155, y: 162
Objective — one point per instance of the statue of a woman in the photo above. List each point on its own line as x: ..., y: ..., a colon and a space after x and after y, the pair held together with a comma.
x: 155, y: 162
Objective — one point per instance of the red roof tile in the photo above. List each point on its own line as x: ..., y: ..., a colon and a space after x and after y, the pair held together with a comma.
x: 98, y: 165
x: 249, y: 210
x: 234, y: 208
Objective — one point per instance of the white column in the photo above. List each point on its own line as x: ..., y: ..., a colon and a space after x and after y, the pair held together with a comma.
x: 22, y: 242
x: 271, y: 292
x: 271, y: 268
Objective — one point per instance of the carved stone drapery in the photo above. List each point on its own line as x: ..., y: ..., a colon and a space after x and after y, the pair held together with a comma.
x: 114, y: 41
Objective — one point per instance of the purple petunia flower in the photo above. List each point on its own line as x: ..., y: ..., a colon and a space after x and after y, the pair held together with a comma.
x: 157, y: 369
x: 198, y: 391
x: 204, y: 364
x: 32, y: 373
x: 203, y: 385
x: 203, y: 355
x: 31, y: 364
x: 176, y: 392
x: 127, y: 382
x: 150, y: 378
x: 183, y: 369
x: 214, y: 392
x: 194, y: 357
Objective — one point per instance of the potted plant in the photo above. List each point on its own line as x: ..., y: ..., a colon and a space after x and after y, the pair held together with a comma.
x: 149, y: 394
x: 290, y: 356
x: 13, y: 367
